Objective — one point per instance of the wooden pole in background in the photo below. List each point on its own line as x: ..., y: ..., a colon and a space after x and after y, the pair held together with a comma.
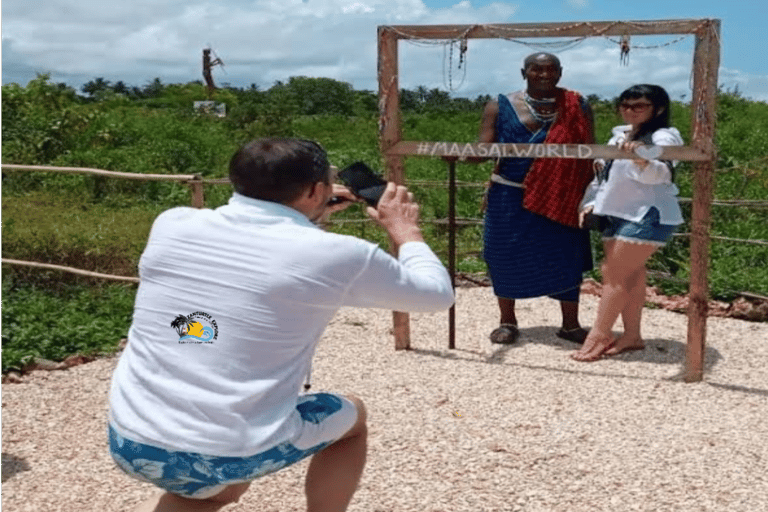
x: 198, y: 194
x: 706, y: 59
x: 452, y: 249
x: 389, y: 135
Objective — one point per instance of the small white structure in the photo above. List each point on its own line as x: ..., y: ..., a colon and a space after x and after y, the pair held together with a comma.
x: 211, y: 108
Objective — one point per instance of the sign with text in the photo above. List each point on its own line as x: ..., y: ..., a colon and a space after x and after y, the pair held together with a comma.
x: 482, y: 150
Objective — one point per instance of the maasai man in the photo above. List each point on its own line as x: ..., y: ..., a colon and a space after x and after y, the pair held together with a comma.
x: 532, y: 243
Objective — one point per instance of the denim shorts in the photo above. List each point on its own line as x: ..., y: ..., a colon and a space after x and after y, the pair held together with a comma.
x: 647, y: 231
x: 326, y: 418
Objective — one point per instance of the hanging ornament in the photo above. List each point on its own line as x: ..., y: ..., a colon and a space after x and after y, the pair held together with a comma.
x: 462, y: 51
x: 624, y: 44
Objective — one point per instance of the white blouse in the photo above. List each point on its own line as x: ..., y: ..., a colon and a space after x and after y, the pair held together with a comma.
x: 630, y: 191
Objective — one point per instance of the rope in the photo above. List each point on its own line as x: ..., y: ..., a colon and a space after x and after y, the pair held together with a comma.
x: 650, y: 47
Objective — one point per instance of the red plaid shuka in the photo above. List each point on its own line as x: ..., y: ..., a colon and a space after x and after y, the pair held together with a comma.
x: 554, y: 186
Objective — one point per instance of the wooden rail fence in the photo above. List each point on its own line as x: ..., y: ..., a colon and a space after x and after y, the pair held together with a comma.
x: 197, y: 200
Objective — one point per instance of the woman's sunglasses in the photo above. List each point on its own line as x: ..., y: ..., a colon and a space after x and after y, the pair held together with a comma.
x: 635, y: 107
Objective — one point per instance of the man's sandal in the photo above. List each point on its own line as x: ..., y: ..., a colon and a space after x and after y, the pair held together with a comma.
x: 575, y: 335
x: 505, y: 334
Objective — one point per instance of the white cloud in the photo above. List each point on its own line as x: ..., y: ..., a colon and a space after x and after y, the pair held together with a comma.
x: 578, y: 4
x: 261, y: 41
x: 734, y: 80
x: 357, y: 8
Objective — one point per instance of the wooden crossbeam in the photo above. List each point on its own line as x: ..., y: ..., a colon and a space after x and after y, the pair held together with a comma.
x: 548, y: 30
x: 581, y: 151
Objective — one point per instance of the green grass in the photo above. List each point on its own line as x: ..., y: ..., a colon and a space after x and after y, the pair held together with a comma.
x: 65, y: 230
x: 53, y: 323
x: 102, y: 224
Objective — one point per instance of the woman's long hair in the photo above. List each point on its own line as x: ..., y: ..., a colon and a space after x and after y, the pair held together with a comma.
x: 660, y: 100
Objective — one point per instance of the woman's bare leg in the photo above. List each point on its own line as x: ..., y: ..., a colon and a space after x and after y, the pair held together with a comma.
x: 631, y: 316
x: 622, y: 261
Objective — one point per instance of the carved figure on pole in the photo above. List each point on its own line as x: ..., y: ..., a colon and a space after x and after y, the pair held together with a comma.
x: 208, y: 65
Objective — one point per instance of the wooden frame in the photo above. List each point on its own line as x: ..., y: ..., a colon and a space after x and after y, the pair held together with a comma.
x: 706, y: 60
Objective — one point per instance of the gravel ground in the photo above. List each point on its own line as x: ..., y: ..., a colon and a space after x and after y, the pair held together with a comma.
x: 479, y: 428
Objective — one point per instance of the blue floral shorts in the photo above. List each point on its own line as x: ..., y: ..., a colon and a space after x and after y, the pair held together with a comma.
x: 326, y: 419
x: 647, y: 231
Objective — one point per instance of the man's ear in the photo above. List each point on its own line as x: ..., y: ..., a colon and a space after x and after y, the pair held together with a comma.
x: 308, y: 200
x: 314, y: 190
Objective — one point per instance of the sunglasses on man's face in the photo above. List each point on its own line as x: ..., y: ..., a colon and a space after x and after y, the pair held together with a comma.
x: 635, y: 107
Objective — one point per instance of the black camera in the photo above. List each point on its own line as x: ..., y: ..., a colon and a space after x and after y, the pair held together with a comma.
x: 363, y: 181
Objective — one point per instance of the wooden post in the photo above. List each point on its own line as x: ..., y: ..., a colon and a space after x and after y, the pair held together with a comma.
x: 452, y: 249
x: 706, y: 59
x: 389, y: 135
x: 196, y: 186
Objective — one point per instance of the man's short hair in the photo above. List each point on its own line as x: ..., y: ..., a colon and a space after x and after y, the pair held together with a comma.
x: 530, y: 59
x: 278, y: 169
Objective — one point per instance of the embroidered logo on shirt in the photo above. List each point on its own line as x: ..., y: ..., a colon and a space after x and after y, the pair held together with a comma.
x: 197, y: 327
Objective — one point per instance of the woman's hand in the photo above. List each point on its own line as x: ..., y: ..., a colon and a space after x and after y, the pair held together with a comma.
x: 598, y: 164
x: 630, y: 146
x: 583, y: 213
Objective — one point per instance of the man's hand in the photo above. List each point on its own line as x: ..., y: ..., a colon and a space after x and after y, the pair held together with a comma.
x: 398, y: 215
x: 345, y: 198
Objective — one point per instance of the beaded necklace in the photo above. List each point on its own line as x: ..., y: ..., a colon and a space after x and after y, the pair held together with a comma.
x: 531, y: 103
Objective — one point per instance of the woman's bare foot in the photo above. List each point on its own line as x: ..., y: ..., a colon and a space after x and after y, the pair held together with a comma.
x: 594, y: 348
x: 625, y: 344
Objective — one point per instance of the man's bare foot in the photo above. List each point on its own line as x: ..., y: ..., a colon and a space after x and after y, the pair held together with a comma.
x: 625, y: 344
x: 593, y: 349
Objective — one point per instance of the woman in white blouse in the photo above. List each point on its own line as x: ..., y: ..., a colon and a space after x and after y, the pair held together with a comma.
x: 636, y: 200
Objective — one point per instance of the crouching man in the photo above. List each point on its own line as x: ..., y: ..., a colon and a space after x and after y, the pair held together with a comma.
x: 232, y: 302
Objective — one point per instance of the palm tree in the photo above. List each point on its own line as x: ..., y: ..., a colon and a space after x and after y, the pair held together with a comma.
x: 180, y: 324
x: 96, y: 86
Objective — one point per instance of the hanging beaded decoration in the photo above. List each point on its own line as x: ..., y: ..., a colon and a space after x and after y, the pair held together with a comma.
x: 534, y: 105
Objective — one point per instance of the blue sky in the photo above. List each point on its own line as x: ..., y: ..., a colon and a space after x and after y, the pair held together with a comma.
x: 262, y: 41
